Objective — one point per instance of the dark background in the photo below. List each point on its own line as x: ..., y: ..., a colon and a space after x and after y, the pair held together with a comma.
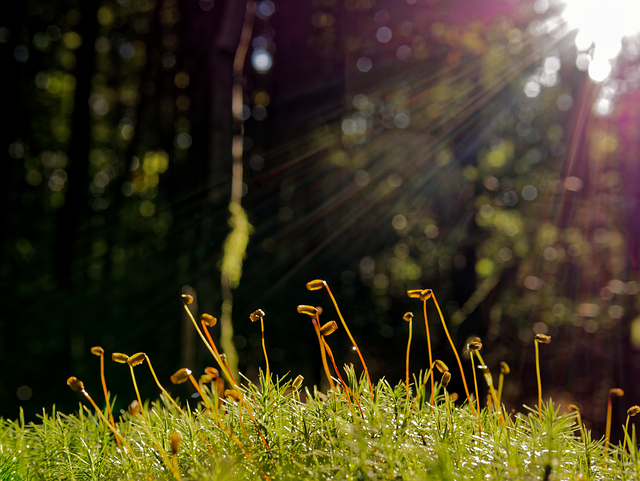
x: 377, y: 164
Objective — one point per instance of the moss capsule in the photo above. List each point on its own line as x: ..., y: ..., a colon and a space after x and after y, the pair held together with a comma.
x: 543, y: 338
x: 136, y: 359
x: 75, y: 384
x: 97, y: 351
x: 175, y: 442
x: 414, y: 293
x: 180, y: 376
x: 119, y: 357
x: 315, y: 285
x: 256, y: 315
x: 446, y: 377
x: 233, y: 394
x: 297, y: 382
x: 208, y: 320
x: 308, y: 310
x: 425, y: 295
x: 441, y: 366
x: 329, y: 328
x: 134, y: 408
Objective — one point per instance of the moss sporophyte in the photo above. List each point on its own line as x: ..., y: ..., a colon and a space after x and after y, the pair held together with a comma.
x: 281, y: 429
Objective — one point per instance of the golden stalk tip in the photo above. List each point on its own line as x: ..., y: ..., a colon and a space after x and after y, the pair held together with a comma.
x: 175, y: 442
x: 97, y: 351
x: 504, y: 368
x: 425, y: 295
x: 441, y: 366
x: 75, y: 384
x: 543, y: 338
x: 315, y: 285
x: 134, y: 408
x: 119, y: 357
x: 308, y: 310
x: 446, y: 377
x: 329, y: 328
x: 180, y: 376
x: 208, y: 320
x: 136, y: 359
x: 297, y: 382
x: 233, y: 394
x: 256, y: 315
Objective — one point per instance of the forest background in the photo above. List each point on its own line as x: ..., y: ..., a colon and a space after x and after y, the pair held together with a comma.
x: 385, y: 145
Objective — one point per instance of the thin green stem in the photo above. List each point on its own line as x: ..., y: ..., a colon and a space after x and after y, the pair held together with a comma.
x: 626, y: 433
x: 489, y: 379
x: 153, y: 373
x: 113, y: 429
x: 135, y: 386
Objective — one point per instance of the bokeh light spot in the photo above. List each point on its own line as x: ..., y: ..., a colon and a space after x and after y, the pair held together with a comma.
x: 364, y: 64
x: 485, y: 267
x: 24, y: 393
x: 399, y: 222
x: 384, y: 34
x: 529, y: 192
x: 265, y: 9
x: 261, y: 60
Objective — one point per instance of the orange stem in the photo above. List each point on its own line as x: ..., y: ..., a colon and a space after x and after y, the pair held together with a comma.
x: 426, y: 324
x: 475, y: 382
x: 344, y: 324
x: 213, y: 345
x: 323, y: 354
x: 455, y: 351
x: 264, y: 349
x: 340, y: 377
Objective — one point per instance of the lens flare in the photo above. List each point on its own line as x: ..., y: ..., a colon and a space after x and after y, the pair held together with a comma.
x: 601, y: 27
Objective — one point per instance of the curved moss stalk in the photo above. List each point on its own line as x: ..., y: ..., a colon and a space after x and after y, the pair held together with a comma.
x: 546, y: 340
x: 344, y: 324
x: 346, y: 386
x: 475, y: 383
x: 455, y: 351
x: 316, y: 326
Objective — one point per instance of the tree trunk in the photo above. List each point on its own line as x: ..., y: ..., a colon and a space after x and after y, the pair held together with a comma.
x: 69, y: 246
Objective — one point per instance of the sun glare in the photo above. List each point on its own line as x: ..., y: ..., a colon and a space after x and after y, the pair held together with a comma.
x: 601, y: 26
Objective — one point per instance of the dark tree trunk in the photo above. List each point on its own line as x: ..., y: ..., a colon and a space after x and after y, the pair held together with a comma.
x: 13, y: 123
x: 69, y: 246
